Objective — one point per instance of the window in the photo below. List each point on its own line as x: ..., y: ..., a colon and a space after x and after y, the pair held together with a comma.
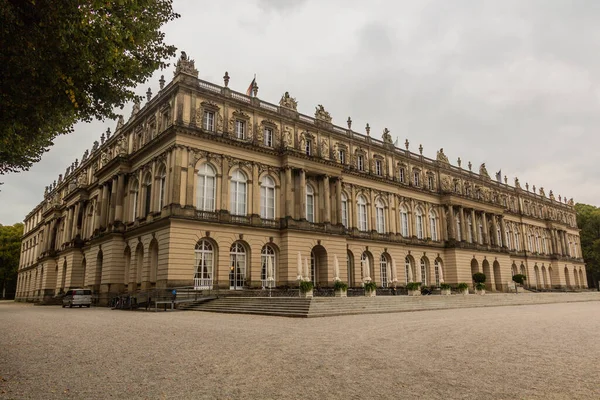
x: 419, y: 221
x: 416, y: 178
x: 499, y: 236
x: 430, y: 182
x: 162, y: 181
x: 205, y: 193
x: 308, y: 148
x: 433, y: 225
x: 361, y: 211
x: 203, y: 271
x: 530, y: 238
x: 342, y: 155
x: 147, y: 194
x: 544, y: 246
x: 480, y: 232
x: 383, y: 266
x: 408, y: 269
x: 508, y: 235
x: 404, y: 222
x: 268, y: 137
x: 437, y: 267
x: 423, y: 272
x: 310, y: 204
x: 380, y: 216
x: 456, y: 187
x: 360, y: 162
x: 470, y: 229
x: 267, y: 261
x: 240, y: 129
x: 238, y: 193
x: 401, y: 174
x: 267, y: 198
x: 135, y: 198
x: 208, y: 121
x: 237, y: 269
x: 517, y: 240
x: 344, y: 210
x: 458, y: 229
x: 378, y: 168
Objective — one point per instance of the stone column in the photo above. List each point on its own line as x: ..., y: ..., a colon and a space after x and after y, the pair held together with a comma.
x: 327, y: 199
x: 302, y: 194
x: 288, y: 192
x: 104, y: 206
x: 113, y: 201
x: 255, y: 191
x: 474, y: 233
x: 463, y: 224
x: 567, y: 251
x: 74, y: 228
x: 120, y: 198
x: 352, y: 208
x: 225, y: 185
x: 451, y: 223
x: 495, y: 229
x: 486, y: 231
x: 338, y: 200
x: 503, y: 231
x: 69, y: 226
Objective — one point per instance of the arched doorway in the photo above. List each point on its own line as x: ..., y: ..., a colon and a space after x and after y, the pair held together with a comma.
x: 63, y: 279
x: 237, y: 266
x: 489, y: 281
x: 153, y: 262
x: 576, y: 278
x: 536, y: 272
x: 439, y: 274
x: 268, y: 269
x: 127, y: 262
x: 581, y: 280
x: 514, y: 270
x: 424, y: 271
x: 139, y: 263
x: 385, y: 266
x: 567, y: 278
x: 204, y: 267
x: 544, y: 277
x: 522, y: 268
x: 497, y: 276
x: 550, y: 277
x: 98, y: 275
x: 409, y: 269
x: 319, y: 265
x: 84, y: 271
x: 366, y: 266
x: 350, y: 266
x: 474, y: 267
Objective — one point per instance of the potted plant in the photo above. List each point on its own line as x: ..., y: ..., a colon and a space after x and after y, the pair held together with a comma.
x: 306, y: 288
x: 462, y: 288
x: 480, y: 288
x: 445, y: 289
x: 519, y: 279
x: 479, y: 277
x: 413, y: 288
x: 370, y: 289
x: 341, y: 289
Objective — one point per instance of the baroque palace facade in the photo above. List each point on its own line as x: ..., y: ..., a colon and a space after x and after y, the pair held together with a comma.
x: 205, y: 187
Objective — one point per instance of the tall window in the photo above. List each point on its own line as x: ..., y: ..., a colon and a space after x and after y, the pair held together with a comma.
x: 134, y: 199
x: 344, y: 210
x: 267, y: 261
x: 423, y: 272
x: 499, y: 236
x: 401, y: 175
x: 308, y: 148
x: 268, y: 137
x: 360, y: 162
x: 240, y: 129
x: 508, y: 235
x: 416, y: 178
x: 480, y: 232
x: 361, y: 211
x: 380, y: 216
x: 237, y: 269
x: 342, y: 155
x: 433, y: 225
x: 205, y: 193
x: 203, y: 271
x: 162, y: 182
x: 310, y: 204
x: 408, y: 270
x: 383, y: 264
x: 267, y: 198
x: 437, y: 266
x: 404, y: 221
x: 517, y: 240
x: 208, y: 121
x: 419, y: 223
x: 430, y: 182
x: 147, y: 194
x: 458, y: 229
x: 378, y: 167
x: 544, y: 245
x: 237, y: 189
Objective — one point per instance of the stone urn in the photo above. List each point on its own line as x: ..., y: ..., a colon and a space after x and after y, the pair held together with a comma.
x: 414, y: 292
x: 341, y: 293
x: 308, y: 294
x: 480, y: 291
x: 370, y: 293
x: 446, y: 292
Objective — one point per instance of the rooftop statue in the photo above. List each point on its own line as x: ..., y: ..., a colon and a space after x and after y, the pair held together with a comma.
x: 517, y: 184
x: 321, y: 114
x: 483, y: 171
x: 442, y: 157
x: 288, y: 102
x: 387, y: 138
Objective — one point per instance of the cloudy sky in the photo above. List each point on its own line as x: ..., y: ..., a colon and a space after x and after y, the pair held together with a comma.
x: 514, y: 84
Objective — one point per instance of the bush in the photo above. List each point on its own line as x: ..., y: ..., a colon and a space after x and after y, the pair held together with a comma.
x: 480, y: 286
x: 339, y: 285
x: 306, y: 286
x: 479, y: 277
x: 370, y: 286
x: 462, y: 286
x: 413, y: 285
x: 444, y: 286
x: 519, y: 278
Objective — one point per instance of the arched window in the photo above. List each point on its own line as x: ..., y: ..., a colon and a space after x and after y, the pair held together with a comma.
x: 480, y: 231
x: 469, y: 229
x: 267, y: 198
x: 517, y: 239
x: 380, y: 216
x: 344, y: 210
x: 310, y: 204
x: 350, y: 267
x: 458, y: 228
x: 134, y: 191
x: 267, y: 261
x: 498, y: 236
x: 544, y: 243
x: 237, y: 266
x: 419, y: 223
x: 238, y: 193
x: 147, y: 194
x: 433, y: 225
x: 361, y: 211
x: 408, y: 270
x: 383, y: 268
x: 437, y: 268
x: 423, y: 272
x: 203, y: 271
x: 162, y: 182
x: 508, y: 234
x: 205, y: 193
x: 404, y: 221
x: 127, y: 259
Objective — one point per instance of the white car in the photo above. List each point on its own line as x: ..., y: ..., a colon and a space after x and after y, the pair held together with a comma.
x: 77, y: 297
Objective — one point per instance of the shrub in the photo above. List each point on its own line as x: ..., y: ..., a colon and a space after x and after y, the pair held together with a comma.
x: 306, y: 286
x: 479, y: 277
x: 462, y: 286
x: 519, y: 278
x: 480, y: 286
x: 413, y: 285
x: 339, y: 285
x: 444, y: 286
x: 370, y: 286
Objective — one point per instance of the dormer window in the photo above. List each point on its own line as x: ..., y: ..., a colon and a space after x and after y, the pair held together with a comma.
x: 240, y: 129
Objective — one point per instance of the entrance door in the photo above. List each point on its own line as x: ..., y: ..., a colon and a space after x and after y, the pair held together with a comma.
x: 237, y: 268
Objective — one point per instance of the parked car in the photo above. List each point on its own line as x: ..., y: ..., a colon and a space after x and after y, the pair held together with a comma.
x: 77, y: 297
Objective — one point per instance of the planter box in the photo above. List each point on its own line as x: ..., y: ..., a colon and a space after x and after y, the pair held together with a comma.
x: 341, y: 293
x: 480, y: 292
x: 371, y: 293
x: 306, y: 294
x: 464, y: 292
x: 414, y: 292
x: 446, y: 292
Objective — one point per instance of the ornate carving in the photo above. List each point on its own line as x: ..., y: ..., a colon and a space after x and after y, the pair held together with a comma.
x: 185, y: 65
x: 82, y: 178
x: 324, y: 148
x: 446, y: 184
x: 551, y: 195
x: 321, y: 114
x: 135, y: 109
x: 442, y: 157
x: 288, y: 102
x: 571, y: 202
x: 387, y: 138
x: 288, y: 138
x: 122, y: 145
x: 517, y: 184
x: 95, y: 146
x: 483, y: 171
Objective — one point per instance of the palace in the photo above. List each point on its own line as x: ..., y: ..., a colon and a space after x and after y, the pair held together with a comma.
x: 205, y: 187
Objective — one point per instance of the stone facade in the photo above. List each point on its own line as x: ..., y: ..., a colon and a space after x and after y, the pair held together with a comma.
x: 206, y: 187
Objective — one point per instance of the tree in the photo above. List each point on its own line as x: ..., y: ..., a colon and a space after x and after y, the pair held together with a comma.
x: 68, y: 61
x: 10, y: 251
x: 520, y: 279
x: 588, y: 220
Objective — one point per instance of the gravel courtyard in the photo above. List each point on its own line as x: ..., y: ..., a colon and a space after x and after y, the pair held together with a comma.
x: 547, y: 351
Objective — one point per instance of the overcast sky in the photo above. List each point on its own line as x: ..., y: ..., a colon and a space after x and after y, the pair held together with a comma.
x: 514, y: 84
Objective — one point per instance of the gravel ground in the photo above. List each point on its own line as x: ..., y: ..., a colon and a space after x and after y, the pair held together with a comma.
x: 546, y: 351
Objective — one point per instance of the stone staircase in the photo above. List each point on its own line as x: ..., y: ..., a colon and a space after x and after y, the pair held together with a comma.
x: 332, y: 306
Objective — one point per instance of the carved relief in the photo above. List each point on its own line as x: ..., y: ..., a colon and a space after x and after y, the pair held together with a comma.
x: 324, y: 149
x: 288, y: 102
x: 288, y: 137
x: 321, y: 114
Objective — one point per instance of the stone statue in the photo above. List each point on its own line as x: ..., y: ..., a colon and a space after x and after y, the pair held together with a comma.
x: 336, y: 152
x: 95, y: 146
x: 120, y: 123
x: 324, y: 149
x: 82, y: 179
x: 136, y: 108
x: 387, y: 138
x: 517, y: 184
x: 442, y: 157
x: 483, y: 171
x: 287, y: 137
x: 446, y: 186
x: 185, y: 65
x: 542, y: 192
x: 86, y: 153
x: 302, y: 141
x: 122, y: 145
x: 321, y: 114
x: 551, y: 195
x: 104, y: 158
x: 288, y: 102
x: 571, y: 202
